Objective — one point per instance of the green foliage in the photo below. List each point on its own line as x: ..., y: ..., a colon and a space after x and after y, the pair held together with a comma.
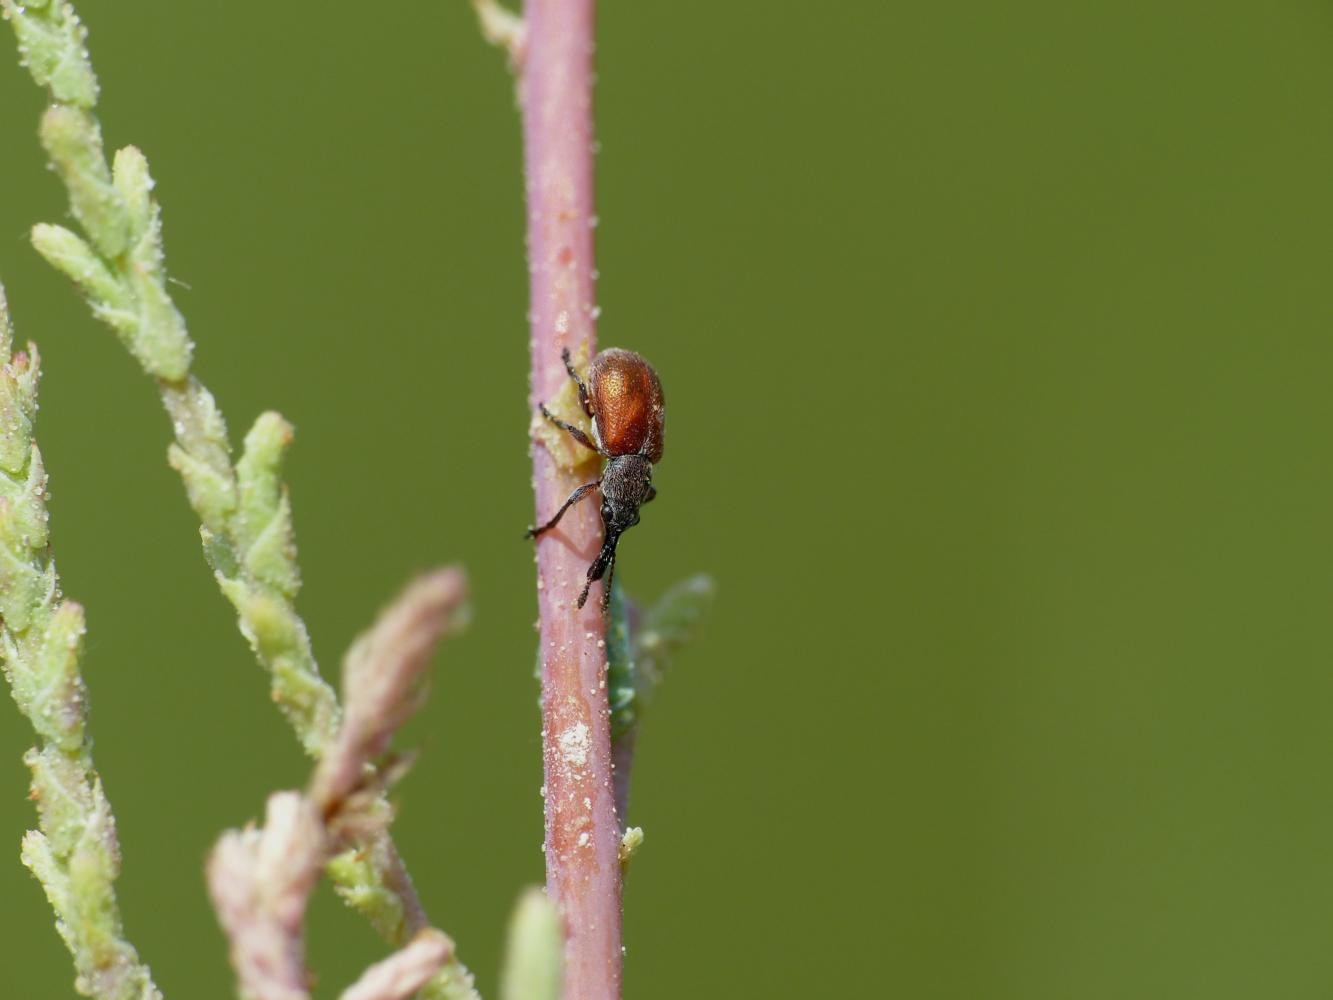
x: 73, y: 141
x: 667, y: 627
x: 637, y: 657
x: 244, y: 510
x: 534, y: 958
x: 453, y: 982
x: 118, y: 265
x: 620, y: 672
x: 121, y: 273
x: 74, y: 853
x: 361, y: 886
x: 51, y: 42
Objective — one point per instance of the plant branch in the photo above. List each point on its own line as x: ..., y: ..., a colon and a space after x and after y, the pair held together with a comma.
x: 582, y: 830
x: 383, y: 678
x: 261, y: 880
x: 405, y: 971
x: 75, y: 855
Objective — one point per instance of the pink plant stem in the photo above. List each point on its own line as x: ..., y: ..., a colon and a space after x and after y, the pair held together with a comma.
x: 582, y: 829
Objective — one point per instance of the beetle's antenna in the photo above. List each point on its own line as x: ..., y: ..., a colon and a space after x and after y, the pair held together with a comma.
x: 606, y: 559
x: 610, y: 575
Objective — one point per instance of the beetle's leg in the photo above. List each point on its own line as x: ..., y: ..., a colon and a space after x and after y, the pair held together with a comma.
x: 574, y: 498
x: 584, y: 401
x: 574, y: 432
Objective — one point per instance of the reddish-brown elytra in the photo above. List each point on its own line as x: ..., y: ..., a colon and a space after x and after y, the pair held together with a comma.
x: 624, y: 398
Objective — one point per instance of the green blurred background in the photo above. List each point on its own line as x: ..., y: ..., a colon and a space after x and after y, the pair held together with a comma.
x: 997, y: 343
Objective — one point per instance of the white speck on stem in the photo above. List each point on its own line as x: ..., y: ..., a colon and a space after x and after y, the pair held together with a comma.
x: 575, y: 745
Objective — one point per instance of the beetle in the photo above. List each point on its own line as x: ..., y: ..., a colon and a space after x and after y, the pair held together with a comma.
x: 623, y: 395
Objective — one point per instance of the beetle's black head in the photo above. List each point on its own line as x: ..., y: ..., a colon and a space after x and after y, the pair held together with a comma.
x: 627, y: 484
